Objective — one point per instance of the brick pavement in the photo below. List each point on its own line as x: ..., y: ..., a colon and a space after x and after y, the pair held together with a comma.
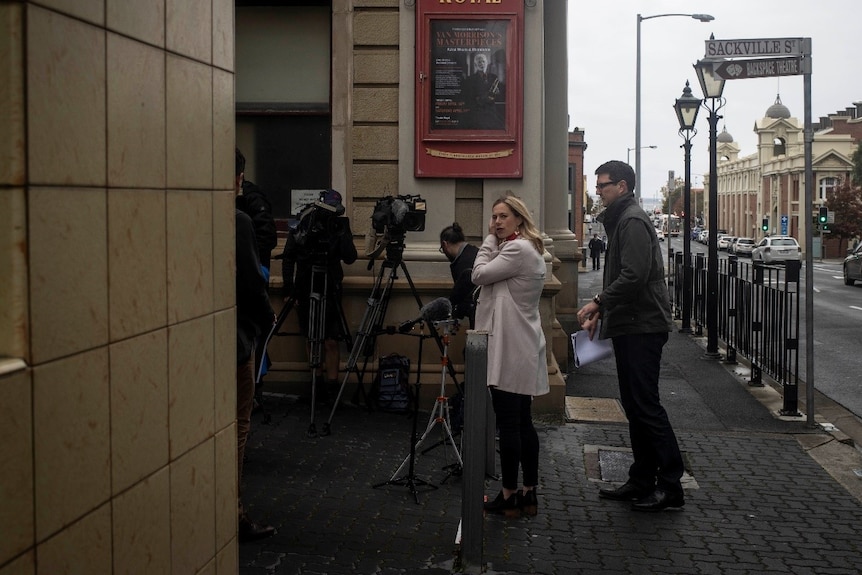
x: 758, y: 503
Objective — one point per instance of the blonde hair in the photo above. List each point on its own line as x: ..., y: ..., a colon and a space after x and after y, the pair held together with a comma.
x: 527, y: 228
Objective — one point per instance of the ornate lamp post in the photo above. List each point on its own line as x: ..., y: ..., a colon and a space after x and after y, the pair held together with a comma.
x: 686, y: 108
x: 637, y: 148
x: 712, y: 87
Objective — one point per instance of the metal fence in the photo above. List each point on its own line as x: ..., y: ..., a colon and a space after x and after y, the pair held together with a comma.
x: 758, y: 315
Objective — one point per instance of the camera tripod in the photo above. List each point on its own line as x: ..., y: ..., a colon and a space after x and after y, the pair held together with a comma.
x: 372, y: 322
x: 439, y: 417
x: 317, y: 302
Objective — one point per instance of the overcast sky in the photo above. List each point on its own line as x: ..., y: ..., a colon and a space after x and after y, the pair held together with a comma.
x: 602, y: 55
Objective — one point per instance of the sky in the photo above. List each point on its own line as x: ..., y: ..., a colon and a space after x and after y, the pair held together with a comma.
x: 602, y: 75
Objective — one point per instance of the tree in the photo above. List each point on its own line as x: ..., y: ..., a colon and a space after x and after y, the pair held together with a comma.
x: 856, y: 175
x: 846, y: 203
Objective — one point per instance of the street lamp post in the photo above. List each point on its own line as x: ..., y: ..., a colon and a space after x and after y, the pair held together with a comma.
x: 686, y: 112
x: 628, y: 158
x: 712, y: 87
x: 637, y: 148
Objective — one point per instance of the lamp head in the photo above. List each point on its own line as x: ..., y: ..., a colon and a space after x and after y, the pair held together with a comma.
x: 686, y: 107
x: 711, y: 84
x: 703, y: 17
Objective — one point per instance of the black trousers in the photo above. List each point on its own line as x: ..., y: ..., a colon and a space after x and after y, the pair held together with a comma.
x: 519, y: 442
x: 657, y: 459
x: 597, y: 262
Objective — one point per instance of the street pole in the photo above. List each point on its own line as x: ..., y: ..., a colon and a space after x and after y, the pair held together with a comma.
x: 638, y: 181
x: 670, y: 183
x: 712, y: 246
x: 686, y: 241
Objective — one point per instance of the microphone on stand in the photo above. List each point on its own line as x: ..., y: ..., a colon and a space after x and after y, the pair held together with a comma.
x: 435, y: 310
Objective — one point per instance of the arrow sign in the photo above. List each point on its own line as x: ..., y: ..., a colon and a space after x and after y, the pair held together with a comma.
x: 758, y: 68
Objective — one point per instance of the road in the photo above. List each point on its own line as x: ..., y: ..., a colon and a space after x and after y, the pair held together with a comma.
x: 837, y: 331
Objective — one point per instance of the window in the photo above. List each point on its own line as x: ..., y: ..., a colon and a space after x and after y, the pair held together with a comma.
x: 827, y: 186
x: 778, y: 147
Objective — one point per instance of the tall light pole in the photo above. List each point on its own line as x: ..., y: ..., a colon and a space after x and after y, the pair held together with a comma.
x: 686, y: 108
x: 712, y: 87
x: 637, y: 148
x: 628, y: 158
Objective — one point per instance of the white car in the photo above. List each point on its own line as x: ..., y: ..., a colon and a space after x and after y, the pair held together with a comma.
x: 743, y: 246
x: 776, y: 249
x: 723, y: 241
x: 659, y: 234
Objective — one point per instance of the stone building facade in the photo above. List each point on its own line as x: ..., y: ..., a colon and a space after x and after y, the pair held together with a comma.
x: 117, y: 316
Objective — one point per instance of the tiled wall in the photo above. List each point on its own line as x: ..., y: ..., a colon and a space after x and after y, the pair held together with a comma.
x: 117, y: 287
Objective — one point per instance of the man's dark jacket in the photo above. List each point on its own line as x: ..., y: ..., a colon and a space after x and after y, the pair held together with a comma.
x: 462, y: 290
x: 253, y: 311
x: 254, y: 202
x: 635, y: 298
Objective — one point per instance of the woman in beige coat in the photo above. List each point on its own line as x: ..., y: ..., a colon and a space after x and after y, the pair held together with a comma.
x: 511, y: 272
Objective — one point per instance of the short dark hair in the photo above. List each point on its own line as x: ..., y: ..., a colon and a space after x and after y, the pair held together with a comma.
x: 240, y: 163
x: 618, y: 171
x: 452, y: 234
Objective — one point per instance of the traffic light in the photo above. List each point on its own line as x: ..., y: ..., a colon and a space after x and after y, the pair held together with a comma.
x: 764, y: 225
x: 823, y: 215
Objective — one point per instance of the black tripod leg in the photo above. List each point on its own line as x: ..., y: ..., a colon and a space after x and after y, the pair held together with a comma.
x: 258, y: 387
x: 316, y: 334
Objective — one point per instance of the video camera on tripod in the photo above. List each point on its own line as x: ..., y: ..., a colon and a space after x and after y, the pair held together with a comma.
x: 399, y: 214
x: 320, y: 222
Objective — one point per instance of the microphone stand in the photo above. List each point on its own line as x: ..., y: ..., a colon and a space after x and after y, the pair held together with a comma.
x: 410, y: 480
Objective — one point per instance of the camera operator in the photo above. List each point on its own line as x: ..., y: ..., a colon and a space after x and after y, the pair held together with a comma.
x: 461, y: 255
x: 322, y: 238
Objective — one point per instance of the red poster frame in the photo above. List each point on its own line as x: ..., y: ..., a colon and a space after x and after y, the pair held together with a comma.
x: 469, y: 89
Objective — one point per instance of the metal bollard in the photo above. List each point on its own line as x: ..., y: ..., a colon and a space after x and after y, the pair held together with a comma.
x: 477, y: 450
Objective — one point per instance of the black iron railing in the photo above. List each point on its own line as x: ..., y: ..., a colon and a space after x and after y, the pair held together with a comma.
x: 758, y: 316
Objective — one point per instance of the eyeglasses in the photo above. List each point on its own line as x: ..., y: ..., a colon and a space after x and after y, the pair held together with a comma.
x: 440, y: 249
x: 601, y: 186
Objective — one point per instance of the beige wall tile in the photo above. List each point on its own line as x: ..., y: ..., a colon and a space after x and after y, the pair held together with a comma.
x: 136, y: 114
x: 65, y: 95
x: 193, y: 509
x: 189, y: 28
x: 14, y: 327
x: 375, y: 28
x: 137, y: 262
x: 71, y: 411
x: 144, y: 21
x: 12, y: 143
x: 375, y: 143
x: 227, y: 560
x: 224, y: 250
x: 24, y: 565
x: 376, y: 67
x: 16, y: 453
x: 142, y: 527
x: 223, y: 35
x: 189, y: 254
x: 68, y: 271
x: 225, y: 486
x: 90, y: 10
x: 84, y: 547
x: 139, y: 408
x: 375, y: 105
x: 224, y: 131
x: 189, y: 124
x: 225, y: 367
x: 190, y: 364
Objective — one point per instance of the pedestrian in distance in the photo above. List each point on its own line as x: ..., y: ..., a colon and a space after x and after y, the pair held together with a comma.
x: 597, y: 248
x: 634, y: 310
x: 510, y: 269
x: 461, y: 256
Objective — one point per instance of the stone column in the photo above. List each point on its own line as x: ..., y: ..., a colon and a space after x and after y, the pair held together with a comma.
x: 555, y: 193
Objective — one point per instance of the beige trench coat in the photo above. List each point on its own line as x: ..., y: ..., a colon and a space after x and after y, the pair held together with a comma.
x: 512, y: 277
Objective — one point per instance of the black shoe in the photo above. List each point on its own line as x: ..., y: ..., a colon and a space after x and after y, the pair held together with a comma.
x: 248, y: 530
x: 659, y: 500
x: 626, y: 492
x: 529, y: 503
x: 509, y: 507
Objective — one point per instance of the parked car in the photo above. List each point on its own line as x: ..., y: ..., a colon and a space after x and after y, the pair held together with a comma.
x: 659, y: 234
x: 853, y: 266
x: 743, y: 246
x: 775, y: 249
x: 724, y: 242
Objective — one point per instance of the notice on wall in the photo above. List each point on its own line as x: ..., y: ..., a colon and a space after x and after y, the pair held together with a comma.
x: 468, y: 74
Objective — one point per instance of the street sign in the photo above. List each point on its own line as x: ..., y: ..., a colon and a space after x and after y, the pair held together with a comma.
x: 758, y: 68
x: 757, y: 47
x: 784, y: 220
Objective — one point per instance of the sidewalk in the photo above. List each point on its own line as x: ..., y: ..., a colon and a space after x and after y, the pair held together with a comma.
x: 761, y: 492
